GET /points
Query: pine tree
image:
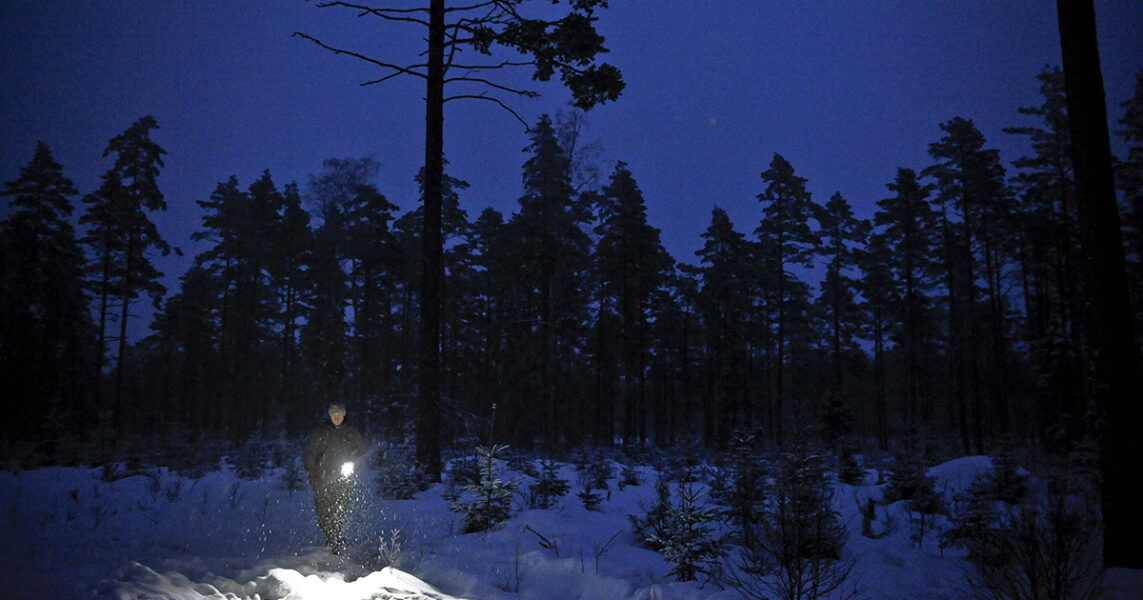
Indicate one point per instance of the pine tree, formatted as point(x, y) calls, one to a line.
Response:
point(242, 227)
point(46, 339)
point(123, 238)
point(373, 264)
point(491, 300)
point(1115, 356)
point(877, 291)
point(729, 283)
point(787, 240)
point(1129, 178)
point(1049, 260)
point(567, 45)
point(186, 335)
point(291, 251)
point(909, 233)
point(973, 200)
point(632, 266)
point(841, 234)
point(547, 242)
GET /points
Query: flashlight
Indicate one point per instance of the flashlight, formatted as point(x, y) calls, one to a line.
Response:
point(347, 469)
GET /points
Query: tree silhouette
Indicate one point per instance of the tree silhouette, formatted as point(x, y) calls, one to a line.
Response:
point(786, 240)
point(1115, 356)
point(909, 234)
point(568, 44)
point(632, 266)
point(46, 337)
point(123, 236)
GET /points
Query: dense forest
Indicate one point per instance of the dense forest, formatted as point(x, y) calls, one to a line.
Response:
point(955, 314)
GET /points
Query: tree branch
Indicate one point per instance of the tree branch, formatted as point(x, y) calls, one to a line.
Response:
point(389, 14)
point(490, 99)
point(494, 85)
point(399, 70)
point(504, 64)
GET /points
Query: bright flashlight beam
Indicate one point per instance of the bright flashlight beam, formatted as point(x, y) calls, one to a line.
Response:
point(347, 469)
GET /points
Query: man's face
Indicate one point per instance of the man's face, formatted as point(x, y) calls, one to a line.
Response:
point(337, 418)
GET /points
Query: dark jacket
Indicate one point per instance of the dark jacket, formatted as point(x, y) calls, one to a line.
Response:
point(329, 448)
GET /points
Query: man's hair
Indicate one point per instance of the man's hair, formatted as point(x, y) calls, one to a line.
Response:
point(336, 408)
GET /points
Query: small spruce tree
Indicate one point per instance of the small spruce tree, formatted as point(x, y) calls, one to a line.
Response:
point(652, 526)
point(799, 538)
point(492, 503)
point(688, 539)
point(398, 476)
point(548, 487)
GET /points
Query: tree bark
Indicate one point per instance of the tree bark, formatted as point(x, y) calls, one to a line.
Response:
point(1118, 389)
point(429, 422)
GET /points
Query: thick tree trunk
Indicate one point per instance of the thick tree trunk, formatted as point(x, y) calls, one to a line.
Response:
point(429, 422)
point(1115, 359)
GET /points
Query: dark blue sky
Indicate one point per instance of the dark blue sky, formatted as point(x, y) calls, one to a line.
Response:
point(847, 91)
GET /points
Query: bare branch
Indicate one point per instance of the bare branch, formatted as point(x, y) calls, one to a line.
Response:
point(383, 79)
point(504, 64)
point(389, 14)
point(494, 85)
point(477, 6)
point(490, 99)
point(399, 70)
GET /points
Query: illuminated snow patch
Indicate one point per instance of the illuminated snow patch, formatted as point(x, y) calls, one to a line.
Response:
point(386, 584)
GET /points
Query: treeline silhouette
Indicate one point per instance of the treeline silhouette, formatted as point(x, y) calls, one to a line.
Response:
point(955, 313)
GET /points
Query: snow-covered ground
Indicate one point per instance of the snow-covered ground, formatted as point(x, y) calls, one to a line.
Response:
point(66, 533)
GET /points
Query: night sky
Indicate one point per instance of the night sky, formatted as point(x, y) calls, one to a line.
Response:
point(847, 91)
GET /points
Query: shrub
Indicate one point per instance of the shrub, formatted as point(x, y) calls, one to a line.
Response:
point(1048, 546)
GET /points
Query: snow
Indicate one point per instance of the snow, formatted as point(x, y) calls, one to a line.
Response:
point(156, 534)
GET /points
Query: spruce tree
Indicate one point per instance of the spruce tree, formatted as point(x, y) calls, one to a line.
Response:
point(491, 502)
point(799, 537)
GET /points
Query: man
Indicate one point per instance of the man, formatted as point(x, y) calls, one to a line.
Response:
point(332, 457)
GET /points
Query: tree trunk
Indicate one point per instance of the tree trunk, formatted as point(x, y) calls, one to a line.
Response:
point(1115, 358)
point(119, 412)
point(429, 422)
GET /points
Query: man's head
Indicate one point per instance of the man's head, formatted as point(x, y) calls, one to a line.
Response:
point(337, 413)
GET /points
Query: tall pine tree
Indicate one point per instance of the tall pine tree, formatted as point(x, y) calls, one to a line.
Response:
point(787, 242)
point(633, 267)
point(123, 239)
point(46, 339)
